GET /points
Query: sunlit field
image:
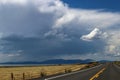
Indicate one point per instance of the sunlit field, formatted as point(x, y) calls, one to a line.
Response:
point(24, 73)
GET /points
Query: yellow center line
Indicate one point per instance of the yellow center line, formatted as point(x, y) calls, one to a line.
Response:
point(97, 74)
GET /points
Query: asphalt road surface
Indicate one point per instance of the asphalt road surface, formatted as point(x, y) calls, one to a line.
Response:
point(107, 71)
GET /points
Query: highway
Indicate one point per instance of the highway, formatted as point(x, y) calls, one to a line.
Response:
point(107, 71)
point(112, 72)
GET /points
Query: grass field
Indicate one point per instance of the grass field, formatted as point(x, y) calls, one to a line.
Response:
point(24, 73)
point(117, 62)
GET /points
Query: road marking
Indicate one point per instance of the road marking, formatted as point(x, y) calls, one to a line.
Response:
point(71, 73)
point(97, 74)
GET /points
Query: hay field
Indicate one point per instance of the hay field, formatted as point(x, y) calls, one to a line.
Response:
point(25, 73)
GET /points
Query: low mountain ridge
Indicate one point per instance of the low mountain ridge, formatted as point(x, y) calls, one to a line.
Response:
point(54, 61)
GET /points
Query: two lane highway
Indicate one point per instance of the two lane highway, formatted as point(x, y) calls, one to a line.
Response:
point(107, 71)
point(112, 72)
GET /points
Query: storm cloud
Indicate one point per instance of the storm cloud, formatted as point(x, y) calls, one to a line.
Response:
point(35, 30)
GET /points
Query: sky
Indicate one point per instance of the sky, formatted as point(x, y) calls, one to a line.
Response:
point(111, 5)
point(37, 30)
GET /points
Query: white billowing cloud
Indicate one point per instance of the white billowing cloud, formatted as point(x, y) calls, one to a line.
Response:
point(95, 34)
point(47, 6)
point(21, 2)
point(88, 17)
point(68, 17)
point(64, 15)
point(113, 43)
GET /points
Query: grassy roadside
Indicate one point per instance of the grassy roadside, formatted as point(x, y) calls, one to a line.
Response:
point(92, 64)
point(25, 73)
point(73, 69)
point(117, 63)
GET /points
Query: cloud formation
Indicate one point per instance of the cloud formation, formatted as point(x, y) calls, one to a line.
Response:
point(92, 35)
point(47, 29)
point(13, 1)
point(95, 34)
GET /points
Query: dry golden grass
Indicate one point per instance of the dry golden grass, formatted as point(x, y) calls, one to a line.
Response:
point(34, 72)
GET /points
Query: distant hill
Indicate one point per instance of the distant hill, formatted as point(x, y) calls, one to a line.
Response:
point(54, 61)
point(62, 61)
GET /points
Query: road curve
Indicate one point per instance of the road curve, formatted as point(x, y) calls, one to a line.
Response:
point(107, 71)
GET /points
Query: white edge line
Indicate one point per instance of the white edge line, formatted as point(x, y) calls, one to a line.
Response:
point(72, 73)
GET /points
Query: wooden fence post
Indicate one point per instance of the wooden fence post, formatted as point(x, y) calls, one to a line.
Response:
point(12, 76)
point(23, 76)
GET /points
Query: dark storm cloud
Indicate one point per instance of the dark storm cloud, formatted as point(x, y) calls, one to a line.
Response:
point(35, 48)
point(23, 20)
point(35, 30)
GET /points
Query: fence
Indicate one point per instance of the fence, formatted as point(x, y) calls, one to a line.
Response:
point(28, 73)
point(25, 76)
point(28, 76)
